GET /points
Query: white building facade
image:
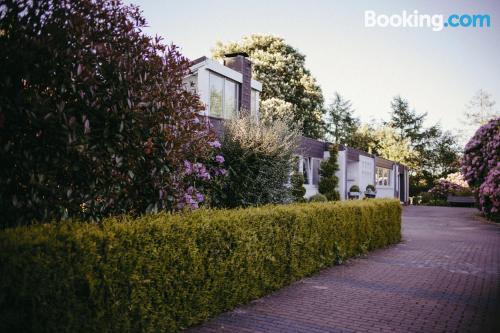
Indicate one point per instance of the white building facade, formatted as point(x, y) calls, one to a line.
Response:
point(227, 90)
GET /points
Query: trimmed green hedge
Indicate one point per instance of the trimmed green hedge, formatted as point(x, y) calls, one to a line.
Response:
point(165, 272)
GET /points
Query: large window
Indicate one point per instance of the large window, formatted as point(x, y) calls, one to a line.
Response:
point(223, 97)
point(315, 171)
point(305, 170)
point(310, 170)
point(383, 177)
point(254, 102)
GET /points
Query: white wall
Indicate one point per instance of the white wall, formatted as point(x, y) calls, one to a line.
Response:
point(365, 177)
point(341, 174)
point(388, 191)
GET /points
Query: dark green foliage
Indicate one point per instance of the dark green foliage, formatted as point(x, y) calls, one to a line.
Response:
point(354, 188)
point(318, 198)
point(160, 273)
point(94, 119)
point(329, 182)
point(438, 153)
point(298, 190)
point(370, 188)
point(341, 124)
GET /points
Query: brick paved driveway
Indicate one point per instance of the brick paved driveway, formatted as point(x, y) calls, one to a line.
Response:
point(444, 276)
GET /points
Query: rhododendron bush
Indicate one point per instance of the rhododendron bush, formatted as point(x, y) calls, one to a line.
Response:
point(94, 119)
point(481, 163)
point(453, 184)
point(489, 194)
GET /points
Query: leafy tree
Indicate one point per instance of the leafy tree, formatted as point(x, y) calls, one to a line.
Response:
point(297, 186)
point(259, 158)
point(386, 142)
point(437, 150)
point(275, 109)
point(281, 69)
point(341, 123)
point(329, 182)
point(94, 119)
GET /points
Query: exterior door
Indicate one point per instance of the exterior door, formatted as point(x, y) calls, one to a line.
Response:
point(402, 189)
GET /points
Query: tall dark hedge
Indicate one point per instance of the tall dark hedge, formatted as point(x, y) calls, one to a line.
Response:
point(94, 119)
point(160, 273)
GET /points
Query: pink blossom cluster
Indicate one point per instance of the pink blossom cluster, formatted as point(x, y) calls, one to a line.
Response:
point(489, 194)
point(443, 188)
point(481, 167)
point(192, 198)
point(482, 153)
point(201, 174)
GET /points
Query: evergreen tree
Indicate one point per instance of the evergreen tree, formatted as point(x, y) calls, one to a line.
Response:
point(298, 190)
point(329, 182)
point(341, 124)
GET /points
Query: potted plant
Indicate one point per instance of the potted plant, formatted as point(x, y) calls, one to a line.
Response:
point(354, 192)
point(370, 191)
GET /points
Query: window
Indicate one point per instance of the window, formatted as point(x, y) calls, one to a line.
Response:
point(315, 171)
point(383, 177)
point(254, 102)
point(230, 99)
point(216, 92)
point(223, 97)
point(305, 170)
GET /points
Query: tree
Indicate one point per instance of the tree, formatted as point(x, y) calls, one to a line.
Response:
point(437, 151)
point(94, 119)
point(329, 182)
point(341, 123)
point(259, 158)
point(386, 142)
point(281, 69)
point(275, 109)
point(480, 109)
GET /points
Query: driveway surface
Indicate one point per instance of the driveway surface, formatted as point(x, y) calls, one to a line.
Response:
point(443, 277)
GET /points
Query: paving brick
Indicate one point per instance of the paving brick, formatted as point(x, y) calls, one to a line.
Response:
point(443, 277)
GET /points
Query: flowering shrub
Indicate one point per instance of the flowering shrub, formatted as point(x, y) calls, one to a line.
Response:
point(480, 166)
point(489, 194)
point(453, 184)
point(481, 153)
point(94, 118)
point(443, 188)
point(259, 158)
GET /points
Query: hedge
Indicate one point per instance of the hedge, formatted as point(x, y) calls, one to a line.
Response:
point(167, 272)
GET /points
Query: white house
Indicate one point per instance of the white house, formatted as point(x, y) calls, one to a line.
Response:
point(227, 89)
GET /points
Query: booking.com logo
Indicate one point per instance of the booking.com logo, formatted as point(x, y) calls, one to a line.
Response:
point(415, 20)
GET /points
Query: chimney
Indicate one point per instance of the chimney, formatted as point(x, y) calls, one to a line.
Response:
point(240, 63)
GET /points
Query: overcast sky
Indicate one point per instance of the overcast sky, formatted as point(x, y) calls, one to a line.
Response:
point(438, 72)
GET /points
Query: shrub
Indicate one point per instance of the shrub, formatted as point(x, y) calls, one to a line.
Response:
point(318, 198)
point(354, 188)
point(298, 190)
point(489, 195)
point(160, 273)
point(481, 153)
point(480, 164)
point(371, 188)
point(94, 119)
point(443, 188)
point(329, 182)
point(259, 158)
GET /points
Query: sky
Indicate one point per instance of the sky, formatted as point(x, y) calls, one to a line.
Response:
point(437, 72)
